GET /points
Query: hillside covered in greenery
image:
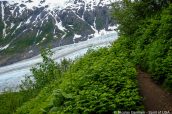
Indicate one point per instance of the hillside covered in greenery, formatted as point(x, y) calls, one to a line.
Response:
point(147, 27)
point(103, 80)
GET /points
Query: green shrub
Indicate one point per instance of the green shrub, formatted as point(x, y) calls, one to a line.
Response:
point(48, 71)
point(99, 82)
point(168, 83)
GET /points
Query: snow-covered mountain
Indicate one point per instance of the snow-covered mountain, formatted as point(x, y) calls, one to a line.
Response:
point(26, 25)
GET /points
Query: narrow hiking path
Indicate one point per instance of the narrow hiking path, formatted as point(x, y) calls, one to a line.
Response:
point(154, 98)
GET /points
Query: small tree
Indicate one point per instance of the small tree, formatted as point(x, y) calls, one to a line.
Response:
point(46, 71)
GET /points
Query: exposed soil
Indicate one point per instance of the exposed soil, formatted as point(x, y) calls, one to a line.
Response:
point(154, 97)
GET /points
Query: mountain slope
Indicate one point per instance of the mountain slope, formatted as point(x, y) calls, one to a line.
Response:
point(27, 25)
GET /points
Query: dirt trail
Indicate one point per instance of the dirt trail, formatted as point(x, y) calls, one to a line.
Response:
point(154, 98)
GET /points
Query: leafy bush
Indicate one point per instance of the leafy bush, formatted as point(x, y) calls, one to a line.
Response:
point(156, 53)
point(48, 71)
point(99, 82)
point(44, 74)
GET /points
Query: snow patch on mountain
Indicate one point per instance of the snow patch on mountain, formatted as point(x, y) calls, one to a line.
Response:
point(5, 47)
point(65, 22)
point(57, 4)
point(5, 25)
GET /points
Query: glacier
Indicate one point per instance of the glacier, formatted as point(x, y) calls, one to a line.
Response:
point(11, 75)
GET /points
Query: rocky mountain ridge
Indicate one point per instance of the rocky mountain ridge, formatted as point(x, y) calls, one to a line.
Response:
point(26, 25)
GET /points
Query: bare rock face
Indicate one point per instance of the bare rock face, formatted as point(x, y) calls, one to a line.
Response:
point(28, 25)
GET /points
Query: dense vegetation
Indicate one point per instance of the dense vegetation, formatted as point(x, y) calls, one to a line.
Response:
point(103, 80)
point(99, 82)
point(147, 27)
point(96, 83)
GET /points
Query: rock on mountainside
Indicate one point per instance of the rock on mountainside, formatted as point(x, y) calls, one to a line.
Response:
point(26, 25)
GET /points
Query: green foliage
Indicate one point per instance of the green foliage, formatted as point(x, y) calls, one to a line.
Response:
point(168, 83)
point(128, 15)
point(131, 14)
point(48, 71)
point(155, 43)
point(10, 101)
point(147, 38)
point(99, 82)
